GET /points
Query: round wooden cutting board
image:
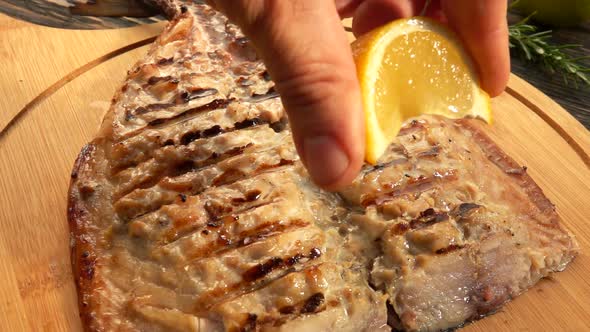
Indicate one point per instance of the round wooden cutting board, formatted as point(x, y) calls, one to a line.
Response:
point(56, 86)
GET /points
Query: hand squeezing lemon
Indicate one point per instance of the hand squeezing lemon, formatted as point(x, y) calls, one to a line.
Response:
point(411, 67)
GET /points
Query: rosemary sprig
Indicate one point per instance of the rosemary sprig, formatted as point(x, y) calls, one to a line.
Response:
point(534, 46)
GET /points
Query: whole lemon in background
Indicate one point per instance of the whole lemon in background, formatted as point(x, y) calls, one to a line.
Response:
point(562, 13)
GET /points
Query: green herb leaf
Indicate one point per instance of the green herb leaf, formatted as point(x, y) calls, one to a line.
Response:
point(534, 47)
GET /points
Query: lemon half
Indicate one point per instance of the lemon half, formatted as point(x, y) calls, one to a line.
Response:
point(411, 67)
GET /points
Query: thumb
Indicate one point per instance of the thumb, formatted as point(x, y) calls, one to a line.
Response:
point(307, 53)
point(483, 27)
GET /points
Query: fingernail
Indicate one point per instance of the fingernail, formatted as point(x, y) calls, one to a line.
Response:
point(325, 160)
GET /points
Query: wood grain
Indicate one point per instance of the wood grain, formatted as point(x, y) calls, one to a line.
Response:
point(36, 288)
point(66, 79)
point(37, 291)
point(35, 57)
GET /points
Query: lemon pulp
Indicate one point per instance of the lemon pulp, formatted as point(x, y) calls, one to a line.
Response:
point(413, 66)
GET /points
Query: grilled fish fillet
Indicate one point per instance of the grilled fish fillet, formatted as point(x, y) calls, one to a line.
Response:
point(190, 210)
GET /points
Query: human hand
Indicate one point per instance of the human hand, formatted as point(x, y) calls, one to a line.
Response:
point(308, 55)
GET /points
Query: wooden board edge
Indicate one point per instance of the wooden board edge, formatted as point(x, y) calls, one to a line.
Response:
point(68, 78)
point(561, 121)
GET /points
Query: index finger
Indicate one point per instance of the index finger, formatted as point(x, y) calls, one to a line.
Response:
point(308, 55)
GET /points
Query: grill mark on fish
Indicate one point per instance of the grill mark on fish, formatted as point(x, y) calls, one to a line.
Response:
point(260, 271)
point(188, 137)
point(270, 94)
point(313, 303)
point(428, 218)
point(131, 114)
point(181, 167)
point(213, 105)
point(393, 319)
point(464, 210)
point(160, 124)
point(191, 136)
point(249, 123)
point(156, 79)
point(226, 181)
point(265, 75)
point(175, 119)
point(292, 312)
point(221, 212)
point(399, 161)
point(412, 186)
point(211, 132)
point(450, 248)
point(216, 210)
point(250, 324)
point(139, 144)
point(400, 228)
point(165, 61)
point(287, 310)
point(190, 165)
point(298, 241)
point(283, 162)
point(195, 93)
point(244, 81)
point(226, 177)
point(217, 222)
point(215, 130)
point(250, 196)
point(225, 294)
point(182, 98)
point(413, 127)
point(262, 232)
point(280, 125)
point(226, 242)
point(432, 152)
point(179, 230)
point(220, 216)
point(401, 149)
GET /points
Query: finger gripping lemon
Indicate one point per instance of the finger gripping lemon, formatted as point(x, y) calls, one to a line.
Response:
point(411, 67)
